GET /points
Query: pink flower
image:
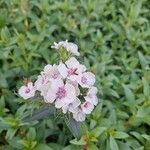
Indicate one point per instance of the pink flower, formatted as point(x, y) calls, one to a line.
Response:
point(86, 79)
point(65, 95)
point(73, 48)
point(42, 84)
point(79, 115)
point(61, 93)
point(27, 91)
point(91, 96)
point(70, 47)
point(51, 72)
point(71, 107)
point(75, 84)
point(87, 107)
point(71, 69)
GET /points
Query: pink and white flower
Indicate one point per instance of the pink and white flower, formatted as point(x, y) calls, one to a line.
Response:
point(70, 47)
point(65, 95)
point(87, 107)
point(27, 91)
point(61, 93)
point(42, 84)
point(91, 96)
point(51, 72)
point(86, 79)
point(79, 115)
point(71, 69)
point(71, 107)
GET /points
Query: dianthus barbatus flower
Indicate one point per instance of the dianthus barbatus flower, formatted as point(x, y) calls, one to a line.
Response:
point(79, 115)
point(69, 46)
point(27, 91)
point(92, 96)
point(71, 69)
point(67, 86)
point(86, 79)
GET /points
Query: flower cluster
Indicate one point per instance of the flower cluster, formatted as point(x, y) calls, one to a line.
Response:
point(68, 85)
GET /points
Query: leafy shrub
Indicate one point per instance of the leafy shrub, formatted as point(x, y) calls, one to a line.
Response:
point(114, 42)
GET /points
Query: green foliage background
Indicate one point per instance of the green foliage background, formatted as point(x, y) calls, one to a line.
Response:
point(114, 41)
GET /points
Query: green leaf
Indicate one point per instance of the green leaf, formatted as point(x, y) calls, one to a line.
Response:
point(78, 142)
point(120, 135)
point(113, 144)
point(92, 146)
point(31, 134)
point(97, 131)
point(43, 147)
point(143, 61)
point(146, 88)
point(74, 127)
point(41, 113)
point(72, 147)
point(130, 97)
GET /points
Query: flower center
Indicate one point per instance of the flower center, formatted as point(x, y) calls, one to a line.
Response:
point(55, 75)
point(27, 90)
point(86, 105)
point(72, 71)
point(84, 80)
point(61, 93)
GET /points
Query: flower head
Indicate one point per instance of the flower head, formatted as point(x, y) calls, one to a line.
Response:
point(27, 91)
point(67, 86)
point(70, 47)
point(71, 69)
point(91, 96)
point(79, 115)
point(86, 79)
point(87, 107)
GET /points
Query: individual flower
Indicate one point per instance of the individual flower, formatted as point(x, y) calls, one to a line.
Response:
point(65, 95)
point(27, 91)
point(79, 115)
point(87, 107)
point(86, 79)
point(71, 107)
point(71, 69)
point(61, 93)
point(75, 84)
point(51, 72)
point(91, 96)
point(42, 84)
point(70, 47)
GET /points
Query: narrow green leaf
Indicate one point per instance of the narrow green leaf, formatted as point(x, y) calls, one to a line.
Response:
point(98, 131)
point(40, 114)
point(113, 144)
point(43, 147)
point(130, 97)
point(120, 135)
point(74, 127)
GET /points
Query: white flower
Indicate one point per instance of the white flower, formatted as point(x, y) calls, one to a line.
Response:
point(75, 84)
point(61, 44)
point(71, 69)
point(70, 47)
point(61, 93)
point(86, 79)
point(73, 48)
point(51, 72)
point(79, 115)
point(71, 107)
point(27, 91)
point(42, 84)
point(87, 107)
point(91, 96)
point(65, 95)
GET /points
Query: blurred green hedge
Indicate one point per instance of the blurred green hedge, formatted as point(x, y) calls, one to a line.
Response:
point(114, 41)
